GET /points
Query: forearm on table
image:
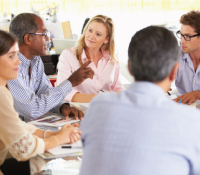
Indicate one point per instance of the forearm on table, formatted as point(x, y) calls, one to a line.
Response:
point(83, 98)
point(198, 96)
point(51, 143)
point(41, 133)
point(195, 94)
point(35, 104)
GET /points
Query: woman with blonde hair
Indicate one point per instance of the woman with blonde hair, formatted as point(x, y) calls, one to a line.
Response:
point(97, 43)
point(17, 138)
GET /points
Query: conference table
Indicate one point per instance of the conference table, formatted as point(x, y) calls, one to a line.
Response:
point(69, 165)
point(63, 166)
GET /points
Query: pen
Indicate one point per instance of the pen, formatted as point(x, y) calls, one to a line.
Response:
point(101, 90)
point(75, 147)
point(180, 100)
point(169, 94)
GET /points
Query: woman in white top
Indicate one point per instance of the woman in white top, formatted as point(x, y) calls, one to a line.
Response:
point(17, 138)
point(97, 43)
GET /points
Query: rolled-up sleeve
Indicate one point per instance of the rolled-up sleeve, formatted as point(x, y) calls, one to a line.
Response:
point(20, 142)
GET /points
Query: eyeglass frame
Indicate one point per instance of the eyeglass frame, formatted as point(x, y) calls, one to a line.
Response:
point(43, 34)
point(179, 32)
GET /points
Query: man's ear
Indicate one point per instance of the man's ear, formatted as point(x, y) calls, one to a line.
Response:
point(172, 75)
point(27, 39)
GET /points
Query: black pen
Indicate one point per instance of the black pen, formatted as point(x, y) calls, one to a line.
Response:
point(75, 147)
point(101, 90)
point(169, 94)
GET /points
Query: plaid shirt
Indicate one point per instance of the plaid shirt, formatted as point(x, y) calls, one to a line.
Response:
point(34, 95)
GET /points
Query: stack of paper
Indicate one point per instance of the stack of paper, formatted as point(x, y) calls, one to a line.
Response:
point(75, 150)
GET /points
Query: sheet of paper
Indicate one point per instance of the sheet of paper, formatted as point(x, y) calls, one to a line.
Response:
point(76, 144)
point(84, 105)
point(53, 120)
point(67, 151)
point(172, 96)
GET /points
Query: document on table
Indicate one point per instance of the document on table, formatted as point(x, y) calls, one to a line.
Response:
point(84, 105)
point(53, 120)
point(63, 152)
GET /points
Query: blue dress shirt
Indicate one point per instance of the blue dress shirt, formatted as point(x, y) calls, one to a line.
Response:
point(34, 95)
point(140, 131)
point(187, 80)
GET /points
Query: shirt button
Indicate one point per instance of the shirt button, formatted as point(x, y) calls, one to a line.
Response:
point(194, 81)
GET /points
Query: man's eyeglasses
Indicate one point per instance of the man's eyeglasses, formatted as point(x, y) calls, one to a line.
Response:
point(46, 34)
point(186, 37)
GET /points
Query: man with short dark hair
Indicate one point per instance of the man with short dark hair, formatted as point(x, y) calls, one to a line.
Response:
point(141, 131)
point(188, 75)
point(32, 91)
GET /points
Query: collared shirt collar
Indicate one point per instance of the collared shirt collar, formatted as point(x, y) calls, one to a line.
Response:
point(25, 63)
point(148, 88)
point(24, 59)
point(185, 56)
point(105, 54)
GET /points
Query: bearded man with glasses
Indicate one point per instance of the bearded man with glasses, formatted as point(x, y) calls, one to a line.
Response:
point(188, 75)
point(32, 91)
